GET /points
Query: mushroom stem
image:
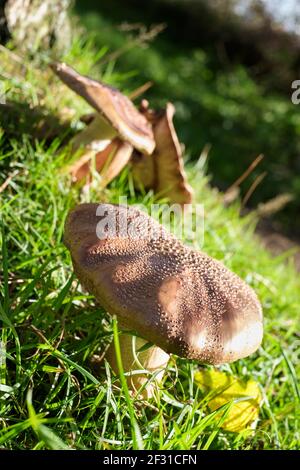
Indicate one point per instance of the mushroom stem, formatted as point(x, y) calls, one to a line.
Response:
point(97, 135)
point(108, 162)
point(152, 360)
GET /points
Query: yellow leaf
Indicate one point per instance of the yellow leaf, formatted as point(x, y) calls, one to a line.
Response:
point(224, 388)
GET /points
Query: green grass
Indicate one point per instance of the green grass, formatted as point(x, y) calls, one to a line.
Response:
point(52, 394)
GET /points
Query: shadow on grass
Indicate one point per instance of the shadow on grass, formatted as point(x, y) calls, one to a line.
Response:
point(37, 123)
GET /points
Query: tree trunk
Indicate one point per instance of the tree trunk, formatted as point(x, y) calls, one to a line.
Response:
point(4, 34)
point(36, 24)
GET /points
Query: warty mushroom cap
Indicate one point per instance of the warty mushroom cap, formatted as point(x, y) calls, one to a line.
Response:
point(112, 105)
point(180, 299)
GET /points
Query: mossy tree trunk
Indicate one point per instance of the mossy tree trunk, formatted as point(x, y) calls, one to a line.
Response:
point(36, 24)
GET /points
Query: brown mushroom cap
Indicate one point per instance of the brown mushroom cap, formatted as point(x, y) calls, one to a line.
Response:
point(116, 108)
point(179, 299)
point(164, 171)
point(109, 162)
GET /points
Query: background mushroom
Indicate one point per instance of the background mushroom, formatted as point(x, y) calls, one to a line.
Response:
point(116, 118)
point(109, 162)
point(179, 299)
point(164, 170)
point(117, 130)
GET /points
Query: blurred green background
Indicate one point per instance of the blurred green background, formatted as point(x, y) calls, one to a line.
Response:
point(229, 77)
